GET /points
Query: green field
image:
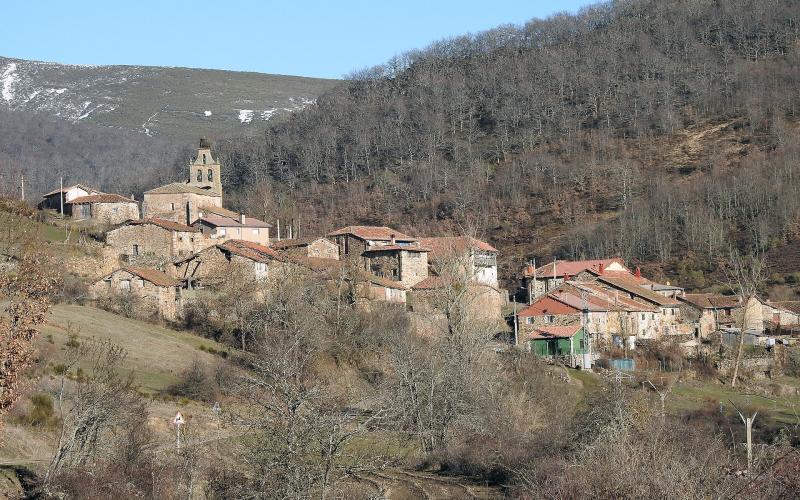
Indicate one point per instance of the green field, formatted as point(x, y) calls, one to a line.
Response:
point(156, 354)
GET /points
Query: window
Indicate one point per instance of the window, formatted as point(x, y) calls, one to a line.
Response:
point(255, 231)
point(210, 175)
point(582, 345)
point(172, 206)
point(199, 175)
point(114, 210)
point(139, 283)
point(180, 238)
point(529, 320)
point(107, 281)
point(261, 270)
point(549, 319)
point(204, 159)
point(653, 316)
point(221, 231)
point(135, 249)
point(642, 316)
point(125, 285)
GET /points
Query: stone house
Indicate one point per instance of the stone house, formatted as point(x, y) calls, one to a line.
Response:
point(475, 257)
point(107, 208)
point(384, 252)
point(182, 201)
point(154, 292)
point(433, 293)
point(539, 281)
point(220, 224)
point(213, 266)
point(154, 242)
point(706, 313)
point(53, 199)
point(782, 313)
point(668, 320)
point(321, 248)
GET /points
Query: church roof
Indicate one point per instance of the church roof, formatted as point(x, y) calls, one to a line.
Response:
point(182, 187)
point(101, 198)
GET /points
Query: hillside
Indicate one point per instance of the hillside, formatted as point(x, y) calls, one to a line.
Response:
point(661, 131)
point(177, 103)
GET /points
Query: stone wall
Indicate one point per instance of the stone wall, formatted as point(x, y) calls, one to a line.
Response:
point(157, 246)
point(323, 249)
point(173, 206)
point(150, 299)
point(413, 267)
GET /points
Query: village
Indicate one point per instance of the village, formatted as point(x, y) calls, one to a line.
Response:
point(186, 243)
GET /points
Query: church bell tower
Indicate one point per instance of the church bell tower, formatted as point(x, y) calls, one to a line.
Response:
point(204, 171)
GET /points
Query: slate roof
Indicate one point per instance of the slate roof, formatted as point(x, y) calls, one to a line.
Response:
point(182, 187)
point(375, 233)
point(101, 198)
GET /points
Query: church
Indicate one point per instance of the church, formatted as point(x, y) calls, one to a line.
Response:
point(183, 202)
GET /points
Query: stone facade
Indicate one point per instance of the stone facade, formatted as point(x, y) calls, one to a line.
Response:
point(407, 267)
point(154, 243)
point(232, 231)
point(109, 213)
point(182, 207)
point(161, 298)
point(319, 248)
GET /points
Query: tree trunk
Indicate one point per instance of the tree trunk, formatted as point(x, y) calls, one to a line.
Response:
point(742, 326)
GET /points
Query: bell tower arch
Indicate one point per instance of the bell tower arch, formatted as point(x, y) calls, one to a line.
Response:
point(204, 170)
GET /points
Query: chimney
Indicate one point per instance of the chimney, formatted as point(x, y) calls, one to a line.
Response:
point(392, 237)
point(566, 277)
point(602, 268)
point(242, 219)
point(638, 272)
point(133, 197)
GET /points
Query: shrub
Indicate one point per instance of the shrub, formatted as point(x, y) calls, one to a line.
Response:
point(193, 383)
point(42, 413)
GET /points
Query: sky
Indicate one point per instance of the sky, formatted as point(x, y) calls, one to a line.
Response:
point(319, 38)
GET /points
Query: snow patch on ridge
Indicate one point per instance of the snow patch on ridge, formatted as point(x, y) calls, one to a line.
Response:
point(245, 115)
point(8, 77)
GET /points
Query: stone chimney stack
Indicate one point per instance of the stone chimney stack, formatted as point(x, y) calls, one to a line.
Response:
point(393, 240)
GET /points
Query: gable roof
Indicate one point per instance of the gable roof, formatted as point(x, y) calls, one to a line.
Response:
point(182, 187)
point(101, 198)
point(223, 221)
point(297, 242)
point(631, 286)
point(250, 250)
point(792, 306)
point(218, 211)
point(154, 276)
point(711, 300)
point(377, 233)
point(445, 246)
point(546, 306)
point(595, 298)
point(79, 186)
point(391, 248)
point(165, 224)
point(570, 267)
point(553, 332)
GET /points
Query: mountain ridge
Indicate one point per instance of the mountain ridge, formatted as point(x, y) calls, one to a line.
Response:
point(175, 102)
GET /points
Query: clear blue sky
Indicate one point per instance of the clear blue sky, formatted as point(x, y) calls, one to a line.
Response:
point(323, 38)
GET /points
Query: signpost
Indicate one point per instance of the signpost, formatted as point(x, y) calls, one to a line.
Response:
point(217, 411)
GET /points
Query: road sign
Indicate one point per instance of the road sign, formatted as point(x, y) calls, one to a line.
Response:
point(178, 420)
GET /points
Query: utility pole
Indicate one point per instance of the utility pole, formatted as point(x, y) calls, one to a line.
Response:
point(61, 195)
point(748, 425)
point(22, 187)
point(516, 324)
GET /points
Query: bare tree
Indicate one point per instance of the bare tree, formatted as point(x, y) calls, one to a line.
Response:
point(746, 276)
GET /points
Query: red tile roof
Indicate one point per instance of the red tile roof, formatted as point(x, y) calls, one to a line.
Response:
point(294, 243)
point(377, 233)
point(165, 224)
point(154, 276)
point(792, 306)
point(101, 198)
point(430, 283)
point(219, 211)
point(596, 298)
point(546, 306)
point(550, 332)
point(570, 267)
point(446, 246)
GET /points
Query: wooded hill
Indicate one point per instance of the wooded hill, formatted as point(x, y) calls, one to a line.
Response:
point(652, 129)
